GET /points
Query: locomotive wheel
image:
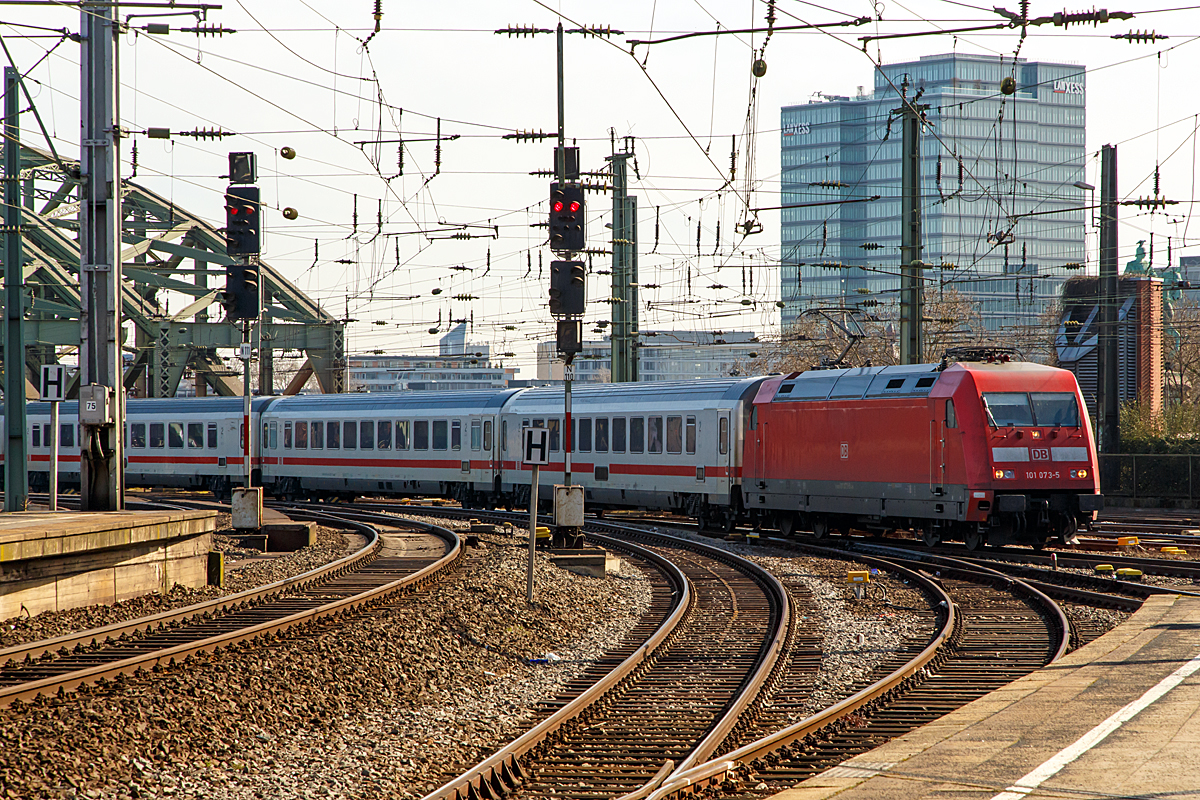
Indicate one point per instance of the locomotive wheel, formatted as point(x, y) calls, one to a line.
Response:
point(974, 539)
point(787, 525)
point(726, 523)
point(820, 526)
point(930, 537)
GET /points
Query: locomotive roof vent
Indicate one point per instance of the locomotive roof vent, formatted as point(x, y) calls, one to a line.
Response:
point(987, 355)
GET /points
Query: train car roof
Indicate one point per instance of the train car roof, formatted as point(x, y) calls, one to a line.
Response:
point(907, 380)
point(393, 402)
point(164, 406)
point(549, 400)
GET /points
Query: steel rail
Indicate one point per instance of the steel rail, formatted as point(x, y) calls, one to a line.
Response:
point(713, 772)
point(94, 636)
point(413, 580)
point(494, 776)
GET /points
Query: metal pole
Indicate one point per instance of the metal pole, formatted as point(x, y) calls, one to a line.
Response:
point(561, 169)
point(54, 456)
point(246, 397)
point(561, 162)
point(1110, 431)
point(911, 345)
point(567, 442)
point(101, 445)
point(624, 273)
point(16, 467)
point(533, 503)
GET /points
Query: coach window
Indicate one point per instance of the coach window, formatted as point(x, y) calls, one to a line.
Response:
point(440, 435)
point(674, 434)
point(157, 434)
point(602, 435)
point(487, 435)
point(175, 434)
point(690, 435)
point(333, 435)
point(195, 434)
point(402, 434)
point(637, 434)
point(366, 434)
point(212, 435)
point(318, 436)
point(504, 436)
point(137, 434)
point(618, 434)
point(456, 434)
point(951, 418)
point(46, 433)
point(301, 435)
point(476, 434)
point(555, 428)
point(654, 435)
point(421, 434)
point(723, 435)
point(349, 435)
point(383, 435)
point(66, 435)
point(287, 436)
point(35, 435)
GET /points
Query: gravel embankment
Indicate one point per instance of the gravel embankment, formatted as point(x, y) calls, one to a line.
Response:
point(389, 703)
point(331, 545)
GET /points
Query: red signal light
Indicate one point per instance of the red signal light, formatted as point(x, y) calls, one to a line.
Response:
point(574, 206)
point(558, 206)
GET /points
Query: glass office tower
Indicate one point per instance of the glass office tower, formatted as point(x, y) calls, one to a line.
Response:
point(992, 165)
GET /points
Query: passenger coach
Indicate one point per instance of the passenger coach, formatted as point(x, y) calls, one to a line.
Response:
point(669, 446)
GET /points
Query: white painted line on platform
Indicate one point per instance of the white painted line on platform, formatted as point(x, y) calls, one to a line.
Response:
point(1096, 735)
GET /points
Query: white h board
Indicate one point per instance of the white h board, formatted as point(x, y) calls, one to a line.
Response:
point(535, 446)
point(54, 382)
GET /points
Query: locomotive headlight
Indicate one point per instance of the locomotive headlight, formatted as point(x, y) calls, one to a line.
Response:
point(1079, 473)
point(998, 474)
point(1002, 474)
point(1036, 434)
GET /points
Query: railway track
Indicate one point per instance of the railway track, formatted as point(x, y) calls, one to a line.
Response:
point(375, 573)
point(671, 702)
point(1002, 630)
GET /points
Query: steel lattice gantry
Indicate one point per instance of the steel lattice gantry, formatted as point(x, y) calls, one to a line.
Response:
point(166, 249)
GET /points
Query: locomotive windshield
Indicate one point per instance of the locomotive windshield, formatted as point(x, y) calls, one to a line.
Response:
point(1018, 409)
point(1057, 409)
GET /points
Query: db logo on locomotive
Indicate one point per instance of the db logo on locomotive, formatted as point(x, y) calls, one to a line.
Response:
point(1040, 453)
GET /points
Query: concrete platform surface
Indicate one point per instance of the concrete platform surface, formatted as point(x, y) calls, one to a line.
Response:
point(51, 561)
point(1119, 717)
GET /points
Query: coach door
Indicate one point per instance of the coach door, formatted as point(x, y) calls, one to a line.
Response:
point(724, 460)
point(937, 458)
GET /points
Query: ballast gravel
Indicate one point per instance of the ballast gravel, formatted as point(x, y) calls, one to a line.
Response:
point(388, 703)
point(857, 635)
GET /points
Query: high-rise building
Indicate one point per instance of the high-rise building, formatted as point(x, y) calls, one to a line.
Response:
point(996, 170)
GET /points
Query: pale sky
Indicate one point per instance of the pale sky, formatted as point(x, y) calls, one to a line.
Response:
point(297, 74)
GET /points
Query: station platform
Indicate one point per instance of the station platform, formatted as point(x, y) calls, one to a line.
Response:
point(1119, 717)
point(50, 561)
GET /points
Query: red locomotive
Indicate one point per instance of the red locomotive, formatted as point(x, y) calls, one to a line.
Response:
point(987, 452)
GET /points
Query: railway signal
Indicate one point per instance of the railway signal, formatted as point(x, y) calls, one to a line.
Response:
point(568, 288)
point(243, 299)
point(567, 228)
point(243, 227)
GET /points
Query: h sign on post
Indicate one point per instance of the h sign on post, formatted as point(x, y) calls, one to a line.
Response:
point(54, 382)
point(535, 448)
